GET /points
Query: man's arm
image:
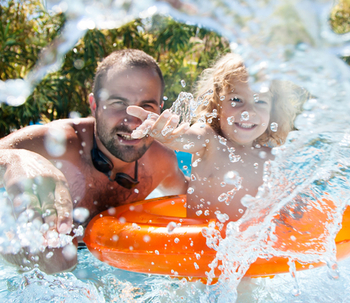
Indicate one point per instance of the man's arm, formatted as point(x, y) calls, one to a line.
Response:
point(38, 197)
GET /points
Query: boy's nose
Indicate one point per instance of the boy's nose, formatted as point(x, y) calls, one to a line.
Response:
point(247, 112)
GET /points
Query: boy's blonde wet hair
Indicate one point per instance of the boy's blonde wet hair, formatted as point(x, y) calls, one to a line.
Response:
point(287, 98)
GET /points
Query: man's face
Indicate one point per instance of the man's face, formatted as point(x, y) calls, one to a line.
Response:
point(122, 87)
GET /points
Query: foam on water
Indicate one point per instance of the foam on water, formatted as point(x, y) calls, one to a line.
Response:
point(288, 40)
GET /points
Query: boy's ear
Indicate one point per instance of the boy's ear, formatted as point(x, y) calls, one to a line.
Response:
point(92, 102)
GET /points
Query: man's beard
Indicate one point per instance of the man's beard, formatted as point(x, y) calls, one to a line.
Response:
point(122, 152)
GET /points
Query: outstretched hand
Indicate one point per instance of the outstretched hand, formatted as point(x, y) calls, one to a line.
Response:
point(164, 127)
point(39, 190)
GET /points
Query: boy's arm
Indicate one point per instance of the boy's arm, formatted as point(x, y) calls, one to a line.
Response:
point(165, 129)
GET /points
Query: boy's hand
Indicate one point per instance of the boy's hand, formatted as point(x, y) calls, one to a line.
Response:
point(162, 127)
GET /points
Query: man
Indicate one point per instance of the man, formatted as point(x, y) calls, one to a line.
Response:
point(89, 163)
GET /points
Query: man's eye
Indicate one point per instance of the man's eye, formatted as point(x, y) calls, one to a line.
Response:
point(148, 107)
point(118, 103)
point(261, 102)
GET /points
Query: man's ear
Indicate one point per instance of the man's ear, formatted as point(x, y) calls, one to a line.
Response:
point(93, 105)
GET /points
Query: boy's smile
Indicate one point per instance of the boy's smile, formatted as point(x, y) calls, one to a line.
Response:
point(244, 115)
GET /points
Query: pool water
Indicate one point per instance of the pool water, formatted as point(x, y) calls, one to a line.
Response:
point(95, 281)
point(184, 162)
point(318, 158)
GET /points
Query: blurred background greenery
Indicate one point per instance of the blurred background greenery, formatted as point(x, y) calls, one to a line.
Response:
point(182, 51)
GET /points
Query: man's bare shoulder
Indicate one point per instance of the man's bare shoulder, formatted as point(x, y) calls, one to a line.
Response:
point(70, 132)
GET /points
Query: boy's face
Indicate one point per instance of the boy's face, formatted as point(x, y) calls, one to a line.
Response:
point(245, 115)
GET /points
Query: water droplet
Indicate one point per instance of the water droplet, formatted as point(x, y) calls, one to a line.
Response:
point(231, 120)
point(222, 140)
point(165, 98)
point(222, 197)
point(183, 83)
point(256, 165)
point(222, 98)
point(176, 240)
point(206, 213)
point(193, 177)
point(111, 211)
point(188, 146)
point(80, 214)
point(221, 217)
point(75, 115)
point(274, 126)
point(134, 225)
point(190, 190)
point(198, 212)
point(233, 104)
point(234, 158)
point(223, 184)
point(69, 252)
point(241, 211)
point(146, 238)
point(55, 142)
point(171, 226)
point(245, 116)
point(262, 155)
point(167, 130)
point(256, 97)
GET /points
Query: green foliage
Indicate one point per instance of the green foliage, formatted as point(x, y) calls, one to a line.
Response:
point(340, 17)
point(25, 29)
point(340, 20)
point(182, 51)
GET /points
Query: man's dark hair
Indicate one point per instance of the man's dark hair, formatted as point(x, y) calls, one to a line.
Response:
point(125, 57)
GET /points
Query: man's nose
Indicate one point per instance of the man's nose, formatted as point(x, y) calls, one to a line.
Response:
point(131, 121)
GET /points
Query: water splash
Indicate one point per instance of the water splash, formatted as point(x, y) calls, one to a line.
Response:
point(294, 44)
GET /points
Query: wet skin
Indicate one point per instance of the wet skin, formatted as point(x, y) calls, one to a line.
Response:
point(71, 180)
point(213, 172)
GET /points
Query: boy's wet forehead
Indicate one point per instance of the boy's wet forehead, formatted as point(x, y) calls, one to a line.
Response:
point(245, 87)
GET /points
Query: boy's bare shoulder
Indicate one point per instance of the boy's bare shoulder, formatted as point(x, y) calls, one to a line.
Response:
point(160, 152)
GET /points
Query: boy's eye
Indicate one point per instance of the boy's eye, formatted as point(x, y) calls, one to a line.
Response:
point(235, 99)
point(261, 102)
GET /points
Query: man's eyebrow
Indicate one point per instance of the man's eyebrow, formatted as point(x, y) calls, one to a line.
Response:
point(155, 102)
point(116, 97)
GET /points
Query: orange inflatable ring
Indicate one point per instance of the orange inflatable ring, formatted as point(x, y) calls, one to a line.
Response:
point(140, 237)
